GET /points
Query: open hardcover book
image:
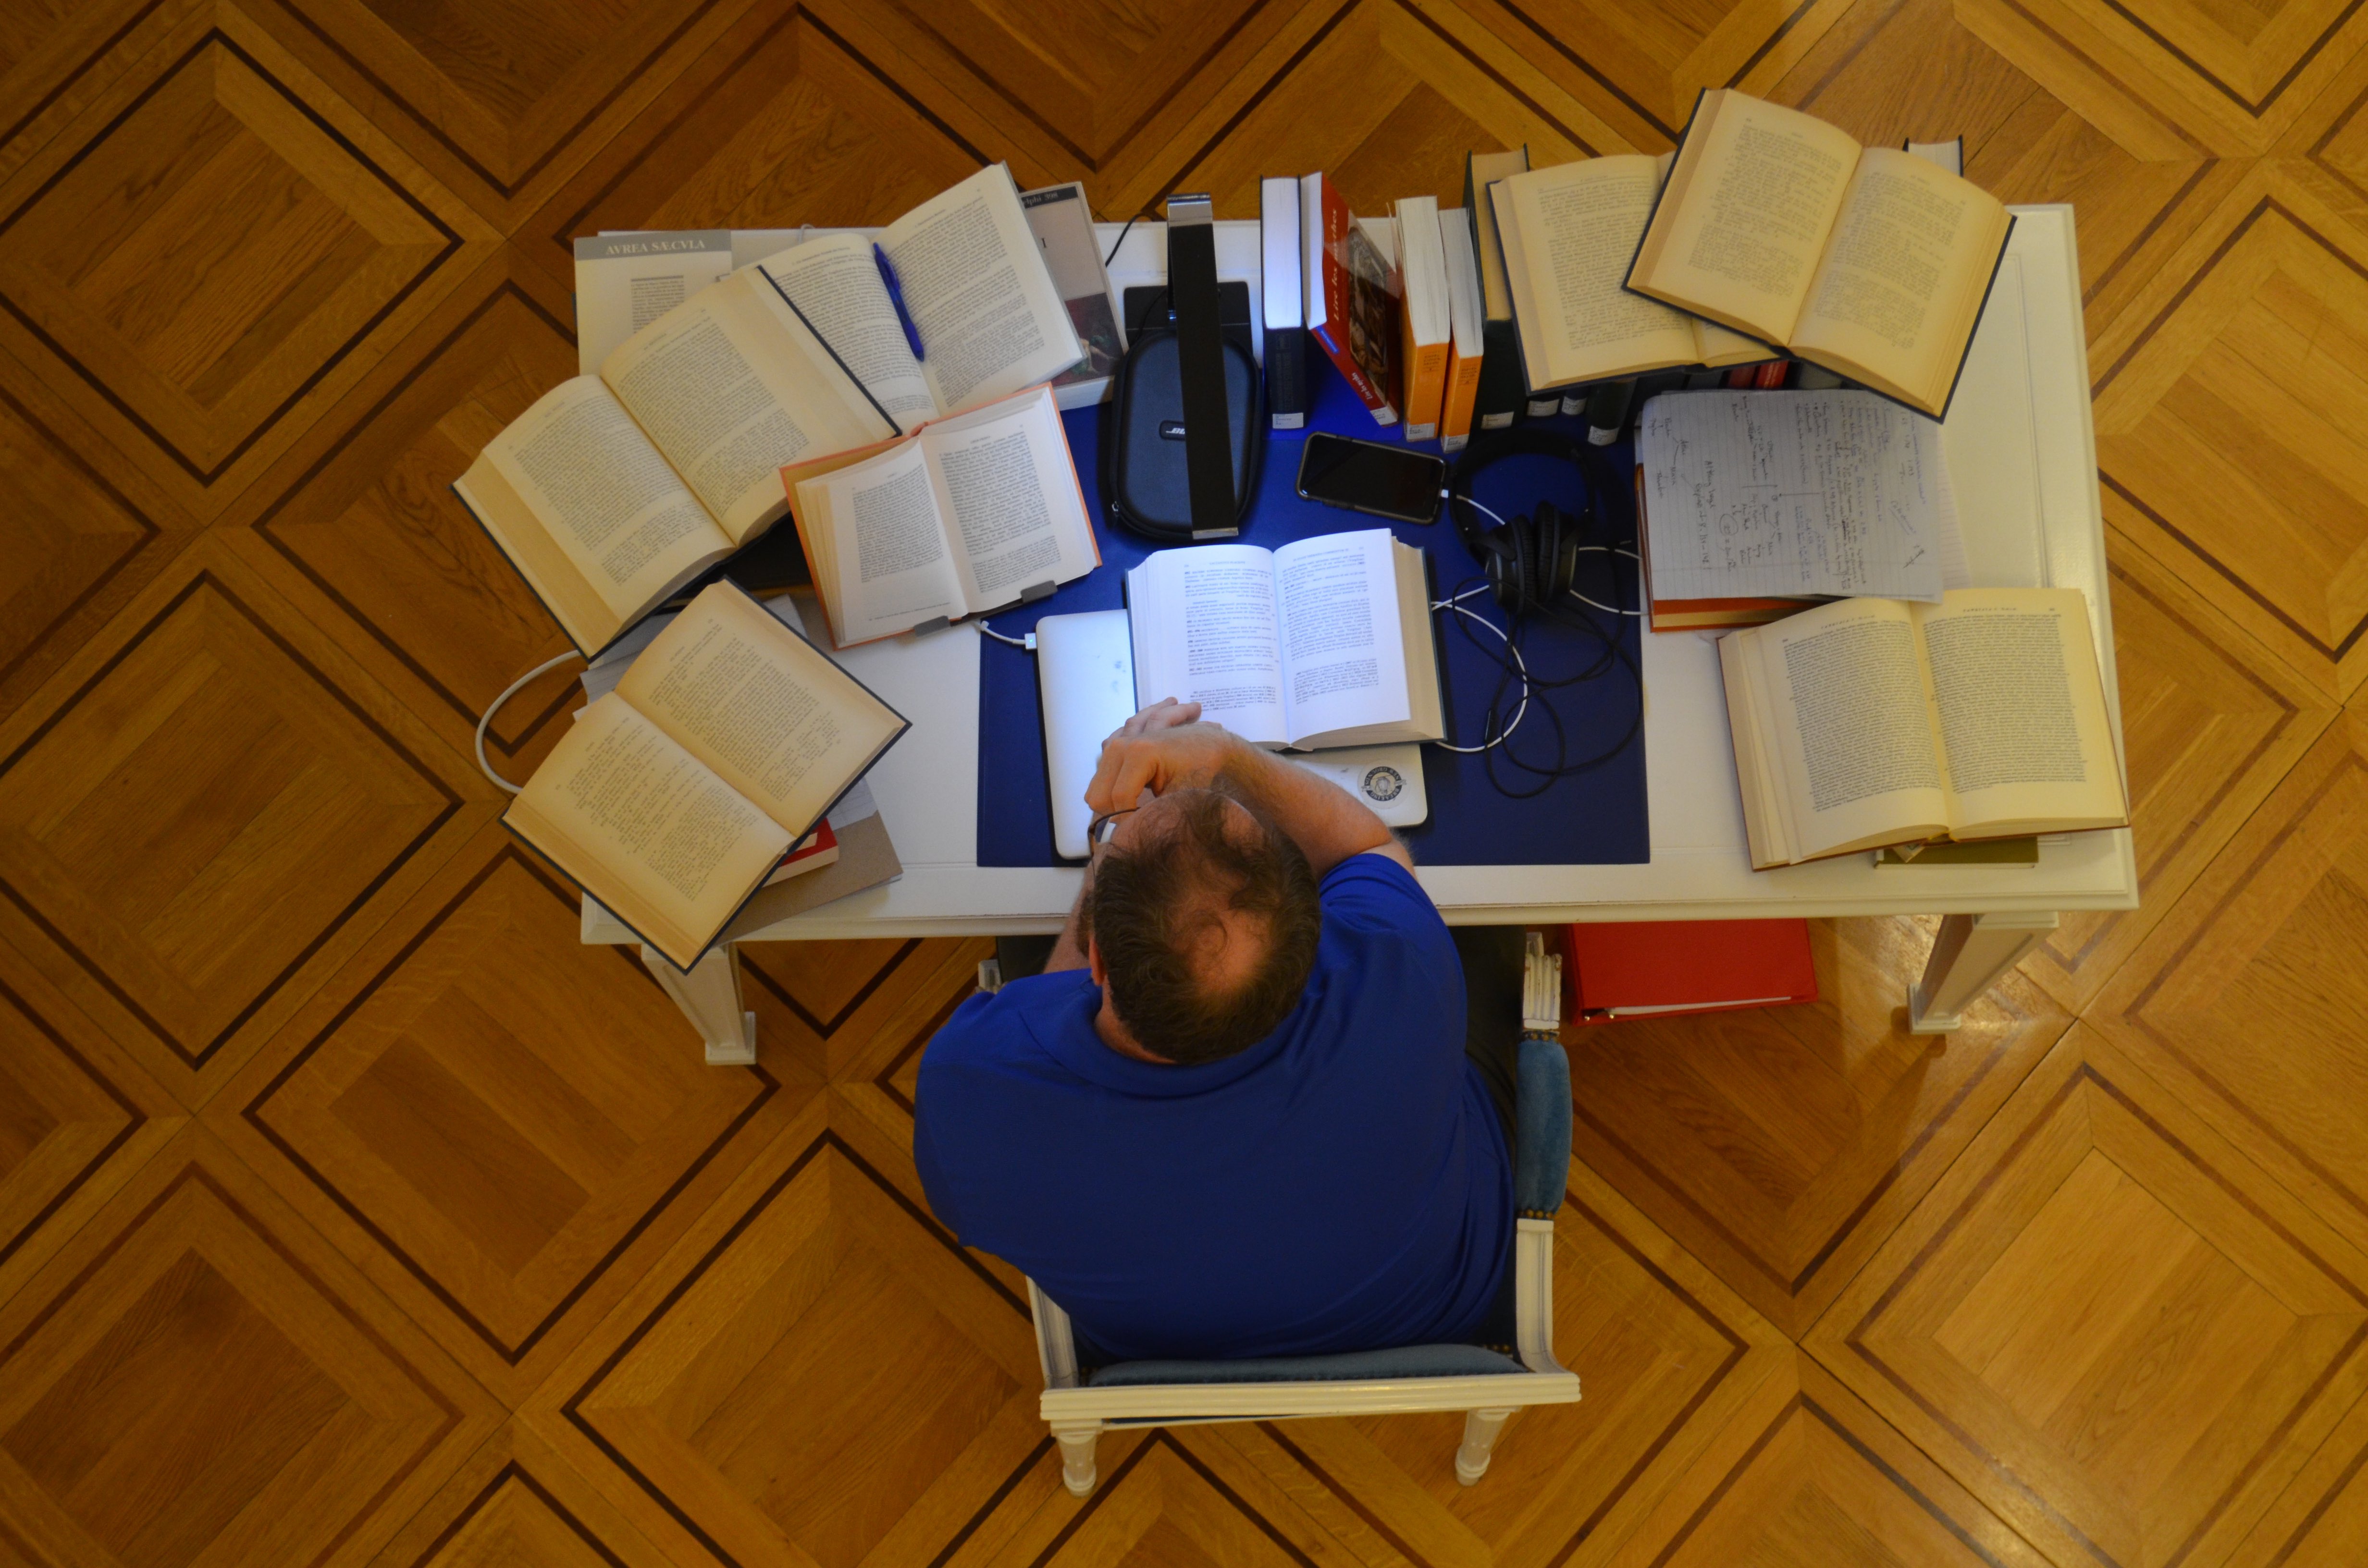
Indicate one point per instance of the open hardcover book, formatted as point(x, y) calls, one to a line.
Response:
point(1324, 642)
point(614, 491)
point(1869, 261)
point(676, 796)
point(960, 519)
point(975, 287)
point(1867, 722)
point(1568, 232)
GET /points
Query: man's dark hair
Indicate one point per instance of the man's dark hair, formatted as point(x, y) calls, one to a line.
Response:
point(1150, 904)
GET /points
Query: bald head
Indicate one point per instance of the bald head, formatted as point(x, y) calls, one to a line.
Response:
point(1203, 917)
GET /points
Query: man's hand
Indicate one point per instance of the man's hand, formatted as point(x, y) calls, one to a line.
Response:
point(1159, 749)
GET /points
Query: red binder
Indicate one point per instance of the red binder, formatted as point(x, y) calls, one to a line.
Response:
point(1657, 968)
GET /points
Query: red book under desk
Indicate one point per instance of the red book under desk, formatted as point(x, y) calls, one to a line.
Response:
point(1651, 968)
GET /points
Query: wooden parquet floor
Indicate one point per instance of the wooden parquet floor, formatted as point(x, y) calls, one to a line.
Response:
point(351, 1211)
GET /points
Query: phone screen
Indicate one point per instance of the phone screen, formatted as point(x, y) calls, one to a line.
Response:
point(1366, 476)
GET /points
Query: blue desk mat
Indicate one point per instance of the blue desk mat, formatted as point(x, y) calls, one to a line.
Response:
point(1592, 818)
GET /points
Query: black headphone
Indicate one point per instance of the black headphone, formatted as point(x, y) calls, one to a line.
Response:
point(1530, 559)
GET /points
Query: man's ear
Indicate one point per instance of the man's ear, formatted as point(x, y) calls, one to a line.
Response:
point(1094, 963)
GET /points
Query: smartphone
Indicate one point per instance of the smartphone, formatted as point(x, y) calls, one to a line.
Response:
point(1369, 476)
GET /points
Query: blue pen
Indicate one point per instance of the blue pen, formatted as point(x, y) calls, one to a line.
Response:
point(896, 298)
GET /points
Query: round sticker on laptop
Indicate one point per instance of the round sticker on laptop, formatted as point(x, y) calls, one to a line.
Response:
point(1383, 782)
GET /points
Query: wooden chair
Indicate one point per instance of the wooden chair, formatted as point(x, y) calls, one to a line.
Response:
point(1485, 1384)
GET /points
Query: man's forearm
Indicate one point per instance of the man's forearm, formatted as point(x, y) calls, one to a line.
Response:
point(1327, 822)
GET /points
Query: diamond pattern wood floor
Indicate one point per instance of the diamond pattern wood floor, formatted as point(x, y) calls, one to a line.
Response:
point(352, 1211)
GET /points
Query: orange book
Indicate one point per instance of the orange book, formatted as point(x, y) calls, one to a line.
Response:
point(1466, 329)
point(1423, 321)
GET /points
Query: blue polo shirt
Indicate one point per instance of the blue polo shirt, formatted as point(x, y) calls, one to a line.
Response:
point(1342, 1185)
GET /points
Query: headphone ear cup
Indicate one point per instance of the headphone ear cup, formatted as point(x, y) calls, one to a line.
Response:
point(1558, 534)
point(1522, 540)
point(1499, 561)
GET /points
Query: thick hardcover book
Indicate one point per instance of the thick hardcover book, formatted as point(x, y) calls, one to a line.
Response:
point(1873, 263)
point(1284, 303)
point(1501, 392)
point(1867, 722)
point(678, 795)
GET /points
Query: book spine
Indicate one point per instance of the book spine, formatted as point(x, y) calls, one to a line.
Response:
point(1426, 386)
point(1286, 376)
point(1498, 397)
point(1338, 292)
point(1772, 375)
point(1607, 411)
point(1284, 337)
point(1455, 411)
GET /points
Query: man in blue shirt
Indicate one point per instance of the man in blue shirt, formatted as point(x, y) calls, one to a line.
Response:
point(1234, 1115)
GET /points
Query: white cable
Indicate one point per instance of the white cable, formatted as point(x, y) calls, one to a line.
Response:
point(1478, 506)
point(507, 692)
point(1520, 665)
point(1027, 643)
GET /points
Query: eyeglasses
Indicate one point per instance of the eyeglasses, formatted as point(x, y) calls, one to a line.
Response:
point(1098, 831)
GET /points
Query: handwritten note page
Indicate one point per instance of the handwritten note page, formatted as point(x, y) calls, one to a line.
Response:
point(1752, 493)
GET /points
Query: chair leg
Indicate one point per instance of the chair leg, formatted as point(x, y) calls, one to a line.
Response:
point(1077, 1459)
point(1480, 1430)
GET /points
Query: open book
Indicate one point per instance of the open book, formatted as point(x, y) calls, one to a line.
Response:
point(960, 519)
point(974, 286)
point(1872, 262)
point(1867, 722)
point(1569, 234)
point(677, 795)
point(1324, 642)
point(615, 490)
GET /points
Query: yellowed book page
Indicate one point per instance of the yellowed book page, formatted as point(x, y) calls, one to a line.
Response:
point(1004, 481)
point(1896, 296)
point(835, 282)
point(617, 511)
point(1740, 238)
point(1485, 170)
point(2017, 700)
point(758, 704)
point(975, 284)
point(810, 511)
point(733, 387)
point(1744, 678)
point(1570, 233)
point(648, 829)
point(1720, 347)
point(1856, 756)
point(589, 620)
point(891, 567)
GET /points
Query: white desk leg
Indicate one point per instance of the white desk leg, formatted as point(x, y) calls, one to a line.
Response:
point(1970, 952)
point(709, 997)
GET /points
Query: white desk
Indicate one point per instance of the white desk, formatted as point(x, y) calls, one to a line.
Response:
point(2022, 459)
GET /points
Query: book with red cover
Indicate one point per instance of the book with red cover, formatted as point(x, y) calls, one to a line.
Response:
point(1657, 968)
point(812, 853)
point(1704, 615)
point(1351, 311)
